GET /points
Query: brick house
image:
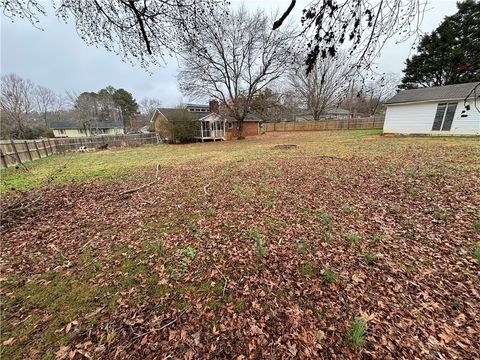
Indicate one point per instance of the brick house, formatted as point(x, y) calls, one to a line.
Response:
point(211, 126)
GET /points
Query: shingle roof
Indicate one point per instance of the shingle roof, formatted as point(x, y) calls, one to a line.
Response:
point(66, 124)
point(448, 92)
point(168, 112)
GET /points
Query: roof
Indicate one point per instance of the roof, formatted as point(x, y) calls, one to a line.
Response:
point(197, 106)
point(448, 92)
point(167, 112)
point(66, 124)
point(336, 111)
point(248, 118)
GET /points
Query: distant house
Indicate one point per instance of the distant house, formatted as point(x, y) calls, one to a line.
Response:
point(93, 128)
point(208, 123)
point(440, 110)
point(329, 113)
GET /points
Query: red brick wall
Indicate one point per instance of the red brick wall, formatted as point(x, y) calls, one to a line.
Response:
point(249, 129)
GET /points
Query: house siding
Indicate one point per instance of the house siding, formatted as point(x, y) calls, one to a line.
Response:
point(79, 133)
point(417, 118)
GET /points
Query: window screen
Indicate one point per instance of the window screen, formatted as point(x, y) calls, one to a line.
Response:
point(437, 123)
point(447, 122)
point(444, 117)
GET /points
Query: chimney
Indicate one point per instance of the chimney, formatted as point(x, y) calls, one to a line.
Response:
point(213, 105)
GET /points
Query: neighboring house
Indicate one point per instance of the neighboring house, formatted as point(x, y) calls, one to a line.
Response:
point(440, 110)
point(76, 129)
point(210, 125)
point(329, 113)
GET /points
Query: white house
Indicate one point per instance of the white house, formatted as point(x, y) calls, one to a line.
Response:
point(440, 110)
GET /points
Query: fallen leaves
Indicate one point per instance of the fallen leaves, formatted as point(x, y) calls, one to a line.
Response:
point(137, 292)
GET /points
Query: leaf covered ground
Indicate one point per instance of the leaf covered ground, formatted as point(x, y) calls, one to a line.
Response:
point(350, 245)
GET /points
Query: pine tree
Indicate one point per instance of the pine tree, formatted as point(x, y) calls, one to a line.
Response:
point(450, 54)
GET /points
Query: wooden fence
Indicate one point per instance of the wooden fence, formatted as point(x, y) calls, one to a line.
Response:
point(13, 152)
point(330, 124)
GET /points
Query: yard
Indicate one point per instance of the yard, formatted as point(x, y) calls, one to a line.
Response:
point(350, 245)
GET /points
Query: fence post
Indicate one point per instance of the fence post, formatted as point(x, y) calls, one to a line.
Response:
point(28, 151)
point(4, 161)
point(51, 147)
point(16, 152)
point(38, 151)
point(45, 147)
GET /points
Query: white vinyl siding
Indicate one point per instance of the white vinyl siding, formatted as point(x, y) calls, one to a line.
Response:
point(417, 118)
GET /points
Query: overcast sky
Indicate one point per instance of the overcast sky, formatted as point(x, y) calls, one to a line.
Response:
point(58, 59)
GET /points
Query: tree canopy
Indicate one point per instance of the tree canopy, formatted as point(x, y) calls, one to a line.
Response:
point(450, 54)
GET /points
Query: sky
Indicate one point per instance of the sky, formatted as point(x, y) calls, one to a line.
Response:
point(58, 59)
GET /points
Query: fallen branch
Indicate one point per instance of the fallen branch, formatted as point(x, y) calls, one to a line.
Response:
point(157, 178)
point(161, 327)
point(225, 283)
point(205, 189)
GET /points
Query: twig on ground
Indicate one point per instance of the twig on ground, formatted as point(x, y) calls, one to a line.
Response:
point(225, 283)
point(205, 189)
point(161, 327)
point(157, 178)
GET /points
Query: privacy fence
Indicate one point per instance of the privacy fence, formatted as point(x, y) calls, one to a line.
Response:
point(15, 152)
point(329, 124)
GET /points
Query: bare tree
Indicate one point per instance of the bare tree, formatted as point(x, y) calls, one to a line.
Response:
point(323, 86)
point(233, 58)
point(45, 100)
point(380, 90)
point(361, 26)
point(148, 106)
point(16, 103)
point(137, 30)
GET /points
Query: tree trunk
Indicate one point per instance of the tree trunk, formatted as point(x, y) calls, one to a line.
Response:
point(240, 129)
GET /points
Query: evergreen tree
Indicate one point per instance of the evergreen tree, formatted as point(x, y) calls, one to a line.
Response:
point(450, 54)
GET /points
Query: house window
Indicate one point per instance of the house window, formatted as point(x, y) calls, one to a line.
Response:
point(229, 125)
point(444, 117)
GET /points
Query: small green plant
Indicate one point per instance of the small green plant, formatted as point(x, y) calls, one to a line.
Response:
point(352, 237)
point(347, 209)
point(303, 249)
point(476, 226)
point(261, 248)
point(370, 258)
point(411, 171)
point(439, 214)
point(157, 247)
point(410, 268)
point(378, 236)
point(307, 268)
point(329, 276)
point(190, 252)
point(394, 209)
point(211, 211)
point(198, 234)
point(326, 219)
point(456, 304)
point(476, 253)
point(356, 335)
point(329, 237)
point(97, 264)
point(257, 236)
point(174, 274)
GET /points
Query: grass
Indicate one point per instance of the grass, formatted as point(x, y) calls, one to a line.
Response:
point(184, 253)
point(356, 335)
point(329, 276)
point(125, 163)
point(352, 238)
